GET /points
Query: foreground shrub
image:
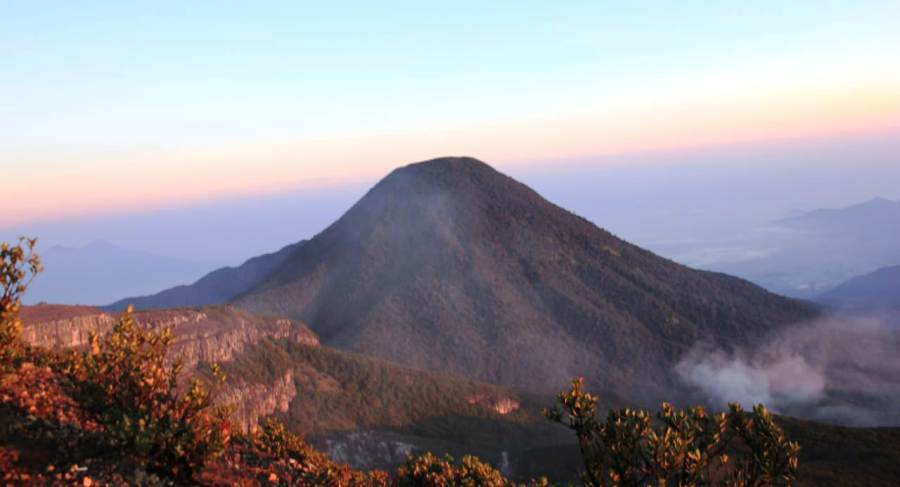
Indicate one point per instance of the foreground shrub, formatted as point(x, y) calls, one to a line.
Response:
point(125, 384)
point(18, 265)
point(428, 470)
point(683, 448)
point(272, 455)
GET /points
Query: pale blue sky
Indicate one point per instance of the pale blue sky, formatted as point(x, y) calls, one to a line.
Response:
point(88, 76)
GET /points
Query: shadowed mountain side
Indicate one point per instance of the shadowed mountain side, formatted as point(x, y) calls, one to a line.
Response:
point(450, 265)
point(216, 287)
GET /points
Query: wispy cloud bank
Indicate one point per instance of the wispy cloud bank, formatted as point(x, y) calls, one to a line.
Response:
point(843, 368)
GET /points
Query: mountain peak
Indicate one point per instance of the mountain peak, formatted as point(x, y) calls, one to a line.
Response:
point(447, 164)
point(879, 202)
point(443, 172)
point(874, 204)
point(101, 244)
point(450, 265)
point(864, 213)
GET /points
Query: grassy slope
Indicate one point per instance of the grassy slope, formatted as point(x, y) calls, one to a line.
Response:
point(340, 392)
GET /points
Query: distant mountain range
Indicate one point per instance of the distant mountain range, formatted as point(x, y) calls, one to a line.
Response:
point(810, 253)
point(871, 217)
point(875, 289)
point(101, 272)
point(218, 286)
point(450, 265)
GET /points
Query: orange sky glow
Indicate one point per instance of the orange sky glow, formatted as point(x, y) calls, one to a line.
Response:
point(145, 179)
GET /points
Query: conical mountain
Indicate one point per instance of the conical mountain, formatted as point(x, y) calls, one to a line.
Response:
point(450, 265)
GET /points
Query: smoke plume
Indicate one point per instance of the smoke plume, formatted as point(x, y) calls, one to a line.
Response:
point(843, 369)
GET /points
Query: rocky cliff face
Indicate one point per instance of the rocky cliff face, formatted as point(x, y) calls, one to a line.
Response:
point(63, 328)
point(499, 404)
point(208, 334)
point(254, 401)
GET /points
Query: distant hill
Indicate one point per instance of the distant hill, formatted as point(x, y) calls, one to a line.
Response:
point(874, 216)
point(875, 289)
point(218, 286)
point(450, 265)
point(101, 272)
point(812, 252)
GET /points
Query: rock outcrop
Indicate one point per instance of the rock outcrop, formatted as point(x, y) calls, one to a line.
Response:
point(499, 404)
point(207, 334)
point(253, 401)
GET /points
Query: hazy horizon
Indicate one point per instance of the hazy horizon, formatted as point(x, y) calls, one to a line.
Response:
point(714, 189)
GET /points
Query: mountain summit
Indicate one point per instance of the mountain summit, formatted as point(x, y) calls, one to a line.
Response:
point(450, 265)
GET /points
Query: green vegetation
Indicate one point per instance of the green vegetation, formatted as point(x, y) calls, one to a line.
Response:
point(430, 471)
point(18, 265)
point(684, 448)
point(124, 385)
point(273, 455)
point(342, 393)
point(340, 390)
point(117, 413)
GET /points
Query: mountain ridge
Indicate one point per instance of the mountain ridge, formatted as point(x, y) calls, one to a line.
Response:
point(877, 210)
point(218, 286)
point(100, 271)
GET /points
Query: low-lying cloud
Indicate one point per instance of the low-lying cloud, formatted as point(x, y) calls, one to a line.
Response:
point(844, 369)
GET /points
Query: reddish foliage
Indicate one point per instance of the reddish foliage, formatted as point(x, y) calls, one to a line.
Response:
point(37, 392)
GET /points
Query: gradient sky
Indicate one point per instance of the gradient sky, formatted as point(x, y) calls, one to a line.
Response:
point(110, 107)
